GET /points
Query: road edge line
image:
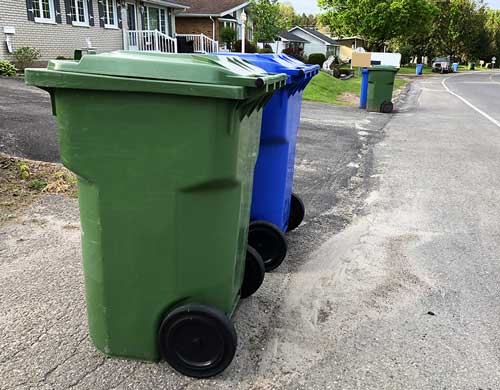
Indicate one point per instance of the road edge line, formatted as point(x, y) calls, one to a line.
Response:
point(484, 114)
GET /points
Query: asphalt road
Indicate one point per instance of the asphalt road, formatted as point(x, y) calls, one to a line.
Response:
point(392, 282)
point(27, 127)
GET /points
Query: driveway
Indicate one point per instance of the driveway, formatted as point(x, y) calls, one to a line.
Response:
point(27, 127)
point(43, 328)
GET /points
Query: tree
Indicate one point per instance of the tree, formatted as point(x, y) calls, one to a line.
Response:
point(378, 21)
point(287, 15)
point(493, 29)
point(459, 31)
point(266, 17)
point(228, 35)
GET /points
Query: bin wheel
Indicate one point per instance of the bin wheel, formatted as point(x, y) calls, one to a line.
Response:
point(297, 213)
point(255, 272)
point(386, 107)
point(269, 241)
point(198, 341)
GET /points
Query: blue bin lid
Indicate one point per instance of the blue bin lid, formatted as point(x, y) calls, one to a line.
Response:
point(280, 63)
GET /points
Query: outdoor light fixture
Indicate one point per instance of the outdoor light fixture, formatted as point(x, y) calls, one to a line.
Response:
point(243, 19)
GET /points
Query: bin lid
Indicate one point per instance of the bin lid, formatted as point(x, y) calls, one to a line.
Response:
point(383, 68)
point(132, 66)
point(279, 63)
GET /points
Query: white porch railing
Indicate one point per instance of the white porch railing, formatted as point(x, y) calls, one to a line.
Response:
point(202, 43)
point(149, 40)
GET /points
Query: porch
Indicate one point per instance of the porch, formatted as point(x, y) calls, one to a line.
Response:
point(157, 41)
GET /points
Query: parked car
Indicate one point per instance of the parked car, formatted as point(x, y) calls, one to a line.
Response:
point(441, 65)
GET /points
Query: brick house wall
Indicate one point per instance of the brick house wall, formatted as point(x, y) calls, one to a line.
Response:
point(54, 39)
point(197, 25)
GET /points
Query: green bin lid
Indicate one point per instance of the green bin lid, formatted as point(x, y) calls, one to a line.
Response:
point(378, 68)
point(220, 72)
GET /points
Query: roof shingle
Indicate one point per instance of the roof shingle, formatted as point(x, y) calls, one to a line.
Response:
point(318, 35)
point(211, 7)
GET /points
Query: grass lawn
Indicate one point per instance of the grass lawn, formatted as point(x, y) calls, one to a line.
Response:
point(327, 89)
point(412, 70)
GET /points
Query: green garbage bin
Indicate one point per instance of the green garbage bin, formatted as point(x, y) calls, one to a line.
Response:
point(164, 147)
point(380, 88)
point(472, 66)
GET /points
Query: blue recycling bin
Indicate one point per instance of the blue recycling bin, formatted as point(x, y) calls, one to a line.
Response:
point(275, 209)
point(420, 69)
point(455, 67)
point(363, 96)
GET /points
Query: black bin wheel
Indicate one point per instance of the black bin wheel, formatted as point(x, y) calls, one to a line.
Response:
point(269, 241)
point(297, 213)
point(386, 107)
point(198, 341)
point(255, 272)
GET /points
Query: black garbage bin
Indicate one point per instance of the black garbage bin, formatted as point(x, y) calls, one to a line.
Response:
point(184, 46)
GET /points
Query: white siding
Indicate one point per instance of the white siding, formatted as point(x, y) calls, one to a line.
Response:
point(314, 46)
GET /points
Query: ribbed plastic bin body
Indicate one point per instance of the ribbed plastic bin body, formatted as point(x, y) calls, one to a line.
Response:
point(274, 172)
point(381, 85)
point(164, 147)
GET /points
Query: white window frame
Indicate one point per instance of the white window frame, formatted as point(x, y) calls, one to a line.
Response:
point(85, 23)
point(165, 20)
point(52, 11)
point(106, 15)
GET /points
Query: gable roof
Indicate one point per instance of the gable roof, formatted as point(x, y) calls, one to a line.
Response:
point(317, 35)
point(213, 7)
point(288, 36)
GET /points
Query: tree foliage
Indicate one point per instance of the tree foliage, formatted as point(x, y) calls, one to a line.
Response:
point(378, 21)
point(462, 29)
point(289, 18)
point(266, 18)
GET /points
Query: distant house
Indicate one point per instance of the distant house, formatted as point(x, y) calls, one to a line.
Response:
point(316, 41)
point(208, 17)
point(348, 45)
point(288, 40)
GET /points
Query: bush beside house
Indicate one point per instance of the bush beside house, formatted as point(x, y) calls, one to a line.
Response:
point(7, 68)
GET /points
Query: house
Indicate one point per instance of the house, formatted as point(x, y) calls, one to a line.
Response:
point(317, 42)
point(207, 17)
point(348, 45)
point(287, 40)
point(57, 27)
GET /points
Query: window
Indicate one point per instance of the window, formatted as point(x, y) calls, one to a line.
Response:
point(43, 11)
point(79, 12)
point(156, 19)
point(110, 14)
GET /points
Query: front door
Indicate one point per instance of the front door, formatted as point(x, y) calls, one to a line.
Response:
point(132, 25)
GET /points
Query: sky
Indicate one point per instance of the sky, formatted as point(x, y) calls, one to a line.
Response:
point(311, 7)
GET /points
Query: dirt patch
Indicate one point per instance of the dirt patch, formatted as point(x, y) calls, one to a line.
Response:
point(349, 98)
point(22, 181)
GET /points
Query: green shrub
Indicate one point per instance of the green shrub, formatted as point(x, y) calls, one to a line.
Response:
point(266, 50)
point(317, 59)
point(228, 36)
point(7, 69)
point(249, 47)
point(26, 56)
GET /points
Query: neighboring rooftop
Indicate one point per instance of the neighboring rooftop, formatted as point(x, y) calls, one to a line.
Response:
point(212, 7)
point(172, 3)
point(288, 36)
point(318, 35)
